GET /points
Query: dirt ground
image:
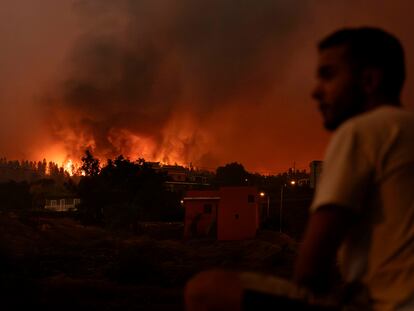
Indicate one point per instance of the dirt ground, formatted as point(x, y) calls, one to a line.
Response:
point(55, 263)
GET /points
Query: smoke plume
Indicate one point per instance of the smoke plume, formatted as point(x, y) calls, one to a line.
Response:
point(146, 78)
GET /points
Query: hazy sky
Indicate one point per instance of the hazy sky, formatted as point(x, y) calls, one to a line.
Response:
point(207, 82)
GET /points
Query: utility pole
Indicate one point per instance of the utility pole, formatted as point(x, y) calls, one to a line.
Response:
point(268, 204)
point(281, 208)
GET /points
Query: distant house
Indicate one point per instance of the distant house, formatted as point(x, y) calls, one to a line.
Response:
point(231, 213)
point(303, 181)
point(181, 179)
point(62, 204)
point(176, 172)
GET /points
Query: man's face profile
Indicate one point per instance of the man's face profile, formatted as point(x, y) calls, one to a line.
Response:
point(338, 90)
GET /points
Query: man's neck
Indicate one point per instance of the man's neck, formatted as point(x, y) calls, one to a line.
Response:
point(375, 102)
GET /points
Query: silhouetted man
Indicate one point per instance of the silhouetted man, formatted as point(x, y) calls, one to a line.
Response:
point(362, 216)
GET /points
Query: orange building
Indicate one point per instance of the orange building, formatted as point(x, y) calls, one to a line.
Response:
point(230, 213)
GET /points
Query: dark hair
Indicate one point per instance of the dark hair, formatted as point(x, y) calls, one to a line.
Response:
point(373, 47)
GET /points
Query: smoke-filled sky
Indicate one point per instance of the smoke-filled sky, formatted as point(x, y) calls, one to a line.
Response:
point(207, 81)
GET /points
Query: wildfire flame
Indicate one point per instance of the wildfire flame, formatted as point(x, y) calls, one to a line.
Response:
point(69, 167)
point(172, 149)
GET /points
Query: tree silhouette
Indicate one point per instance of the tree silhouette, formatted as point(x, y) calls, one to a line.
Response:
point(232, 174)
point(124, 192)
point(90, 165)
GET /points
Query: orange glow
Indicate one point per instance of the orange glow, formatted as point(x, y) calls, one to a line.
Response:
point(69, 167)
point(126, 143)
point(134, 146)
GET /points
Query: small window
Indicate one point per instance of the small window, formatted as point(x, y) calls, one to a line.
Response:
point(236, 216)
point(250, 198)
point(207, 208)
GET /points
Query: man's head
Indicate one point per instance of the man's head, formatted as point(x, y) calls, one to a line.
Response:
point(359, 68)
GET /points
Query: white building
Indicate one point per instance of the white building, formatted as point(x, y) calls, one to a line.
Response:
point(62, 205)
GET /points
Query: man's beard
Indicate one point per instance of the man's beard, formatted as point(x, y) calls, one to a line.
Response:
point(347, 107)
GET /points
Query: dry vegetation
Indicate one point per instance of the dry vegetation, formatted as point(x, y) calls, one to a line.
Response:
point(55, 263)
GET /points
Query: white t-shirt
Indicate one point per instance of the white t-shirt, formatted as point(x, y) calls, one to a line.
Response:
point(369, 168)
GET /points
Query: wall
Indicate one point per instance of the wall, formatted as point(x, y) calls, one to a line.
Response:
point(237, 217)
point(197, 221)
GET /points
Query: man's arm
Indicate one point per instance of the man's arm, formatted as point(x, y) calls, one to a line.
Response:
point(326, 230)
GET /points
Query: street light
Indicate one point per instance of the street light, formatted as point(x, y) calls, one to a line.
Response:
point(262, 194)
point(292, 182)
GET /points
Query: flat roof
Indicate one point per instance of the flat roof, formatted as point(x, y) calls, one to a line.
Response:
point(201, 198)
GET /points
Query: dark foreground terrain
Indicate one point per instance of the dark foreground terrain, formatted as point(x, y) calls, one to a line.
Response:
point(54, 263)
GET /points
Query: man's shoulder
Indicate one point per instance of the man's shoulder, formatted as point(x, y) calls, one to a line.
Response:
point(375, 130)
point(380, 119)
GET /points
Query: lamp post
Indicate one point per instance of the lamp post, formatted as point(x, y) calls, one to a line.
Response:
point(281, 207)
point(262, 194)
point(292, 182)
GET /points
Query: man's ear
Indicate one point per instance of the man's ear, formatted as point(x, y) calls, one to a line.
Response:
point(371, 80)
